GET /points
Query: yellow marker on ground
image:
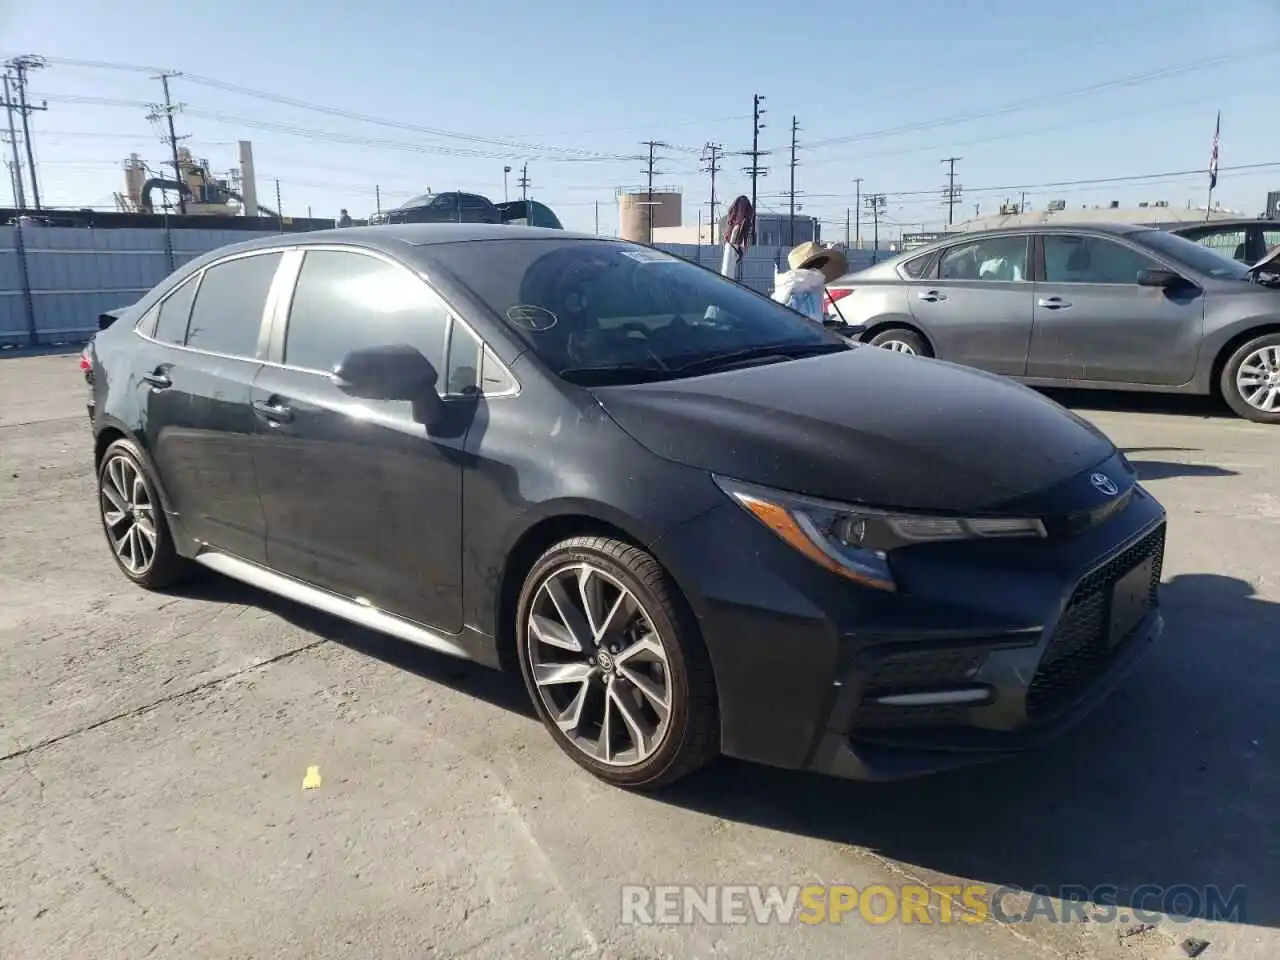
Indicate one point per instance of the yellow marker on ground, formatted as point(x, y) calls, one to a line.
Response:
point(312, 779)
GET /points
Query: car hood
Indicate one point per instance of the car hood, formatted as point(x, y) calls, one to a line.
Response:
point(865, 426)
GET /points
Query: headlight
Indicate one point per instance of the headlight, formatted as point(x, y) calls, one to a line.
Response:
point(855, 541)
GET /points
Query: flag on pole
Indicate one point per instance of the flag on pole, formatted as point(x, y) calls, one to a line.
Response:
point(1213, 157)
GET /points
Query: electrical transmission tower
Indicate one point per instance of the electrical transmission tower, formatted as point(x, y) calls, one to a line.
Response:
point(523, 184)
point(755, 171)
point(165, 112)
point(791, 192)
point(16, 85)
point(650, 173)
point(876, 202)
point(952, 191)
point(711, 155)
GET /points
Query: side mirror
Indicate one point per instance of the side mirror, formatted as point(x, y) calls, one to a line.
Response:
point(1165, 279)
point(393, 372)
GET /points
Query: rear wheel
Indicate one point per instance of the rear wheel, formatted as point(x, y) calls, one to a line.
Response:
point(615, 665)
point(901, 340)
point(133, 519)
point(1250, 380)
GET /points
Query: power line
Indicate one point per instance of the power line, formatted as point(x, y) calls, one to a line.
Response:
point(755, 171)
point(166, 113)
point(711, 157)
point(1132, 80)
point(20, 66)
point(951, 192)
point(650, 173)
point(791, 191)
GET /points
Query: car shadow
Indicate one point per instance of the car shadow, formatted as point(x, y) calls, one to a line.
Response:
point(1171, 781)
point(1172, 404)
point(500, 689)
point(1164, 469)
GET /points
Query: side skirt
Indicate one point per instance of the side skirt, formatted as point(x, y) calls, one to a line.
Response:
point(331, 603)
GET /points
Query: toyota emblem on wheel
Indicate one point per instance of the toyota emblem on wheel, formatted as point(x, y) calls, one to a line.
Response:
point(1104, 484)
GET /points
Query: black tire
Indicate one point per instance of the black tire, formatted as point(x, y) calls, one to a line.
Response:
point(913, 341)
point(1230, 389)
point(692, 737)
point(164, 566)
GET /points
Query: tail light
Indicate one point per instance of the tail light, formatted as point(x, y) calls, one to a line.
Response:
point(86, 365)
point(839, 294)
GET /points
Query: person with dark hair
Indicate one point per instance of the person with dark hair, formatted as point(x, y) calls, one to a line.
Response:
point(344, 218)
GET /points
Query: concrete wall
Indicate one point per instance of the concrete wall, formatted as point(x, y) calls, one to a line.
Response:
point(74, 274)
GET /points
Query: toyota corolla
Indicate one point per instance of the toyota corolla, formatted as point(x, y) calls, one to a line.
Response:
point(693, 521)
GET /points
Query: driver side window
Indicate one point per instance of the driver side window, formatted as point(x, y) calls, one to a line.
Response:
point(1078, 259)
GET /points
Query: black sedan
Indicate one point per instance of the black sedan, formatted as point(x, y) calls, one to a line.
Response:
point(694, 521)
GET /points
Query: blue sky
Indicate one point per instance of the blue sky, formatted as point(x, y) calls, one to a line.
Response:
point(899, 86)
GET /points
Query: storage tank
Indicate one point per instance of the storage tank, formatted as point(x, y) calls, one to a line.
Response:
point(634, 211)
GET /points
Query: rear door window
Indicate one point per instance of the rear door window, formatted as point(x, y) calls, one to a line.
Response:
point(994, 259)
point(346, 301)
point(175, 311)
point(227, 315)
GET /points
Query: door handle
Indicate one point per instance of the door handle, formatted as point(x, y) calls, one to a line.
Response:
point(273, 410)
point(1053, 303)
point(931, 296)
point(157, 380)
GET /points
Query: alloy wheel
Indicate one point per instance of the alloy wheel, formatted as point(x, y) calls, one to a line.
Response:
point(128, 514)
point(897, 346)
point(599, 665)
point(1258, 379)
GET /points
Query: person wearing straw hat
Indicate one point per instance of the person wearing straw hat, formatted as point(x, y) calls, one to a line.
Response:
point(802, 287)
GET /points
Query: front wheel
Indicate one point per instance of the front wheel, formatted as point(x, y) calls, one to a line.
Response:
point(615, 665)
point(1251, 379)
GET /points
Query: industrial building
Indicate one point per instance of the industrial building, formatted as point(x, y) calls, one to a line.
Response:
point(202, 192)
point(640, 211)
point(1153, 213)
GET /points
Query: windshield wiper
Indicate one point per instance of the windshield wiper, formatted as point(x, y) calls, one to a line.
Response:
point(617, 373)
point(781, 351)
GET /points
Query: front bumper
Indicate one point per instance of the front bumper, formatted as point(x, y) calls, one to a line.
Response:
point(1015, 640)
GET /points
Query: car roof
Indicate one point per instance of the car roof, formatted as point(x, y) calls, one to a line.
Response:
point(397, 235)
point(1072, 227)
point(1229, 224)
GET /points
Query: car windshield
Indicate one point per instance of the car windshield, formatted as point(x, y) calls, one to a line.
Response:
point(1198, 257)
point(599, 311)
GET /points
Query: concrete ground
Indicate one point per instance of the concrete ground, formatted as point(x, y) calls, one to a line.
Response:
point(153, 750)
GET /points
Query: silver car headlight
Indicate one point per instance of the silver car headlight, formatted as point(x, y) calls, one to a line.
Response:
point(855, 541)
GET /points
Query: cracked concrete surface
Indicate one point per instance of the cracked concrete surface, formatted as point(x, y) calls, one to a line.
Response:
point(152, 750)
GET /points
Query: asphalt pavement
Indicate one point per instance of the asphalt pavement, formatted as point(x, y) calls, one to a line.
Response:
point(154, 748)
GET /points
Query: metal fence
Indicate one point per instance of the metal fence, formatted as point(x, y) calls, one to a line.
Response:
point(54, 281)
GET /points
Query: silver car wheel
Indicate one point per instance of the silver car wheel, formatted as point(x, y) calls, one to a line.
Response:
point(599, 665)
point(897, 346)
point(1258, 379)
point(128, 515)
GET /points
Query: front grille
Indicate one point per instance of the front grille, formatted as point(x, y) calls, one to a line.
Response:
point(1079, 651)
point(916, 670)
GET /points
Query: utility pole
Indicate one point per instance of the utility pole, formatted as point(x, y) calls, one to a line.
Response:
point(377, 198)
point(711, 154)
point(20, 66)
point(875, 203)
point(597, 218)
point(857, 212)
point(166, 112)
point(846, 228)
point(650, 172)
point(18, 196)
point(505, 171)
point(279, 206)
point(523, 183)
point(755, 171)
point(791, 192)
point(951, 192)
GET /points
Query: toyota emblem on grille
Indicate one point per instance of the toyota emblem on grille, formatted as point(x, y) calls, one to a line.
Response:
point(1104, 484)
